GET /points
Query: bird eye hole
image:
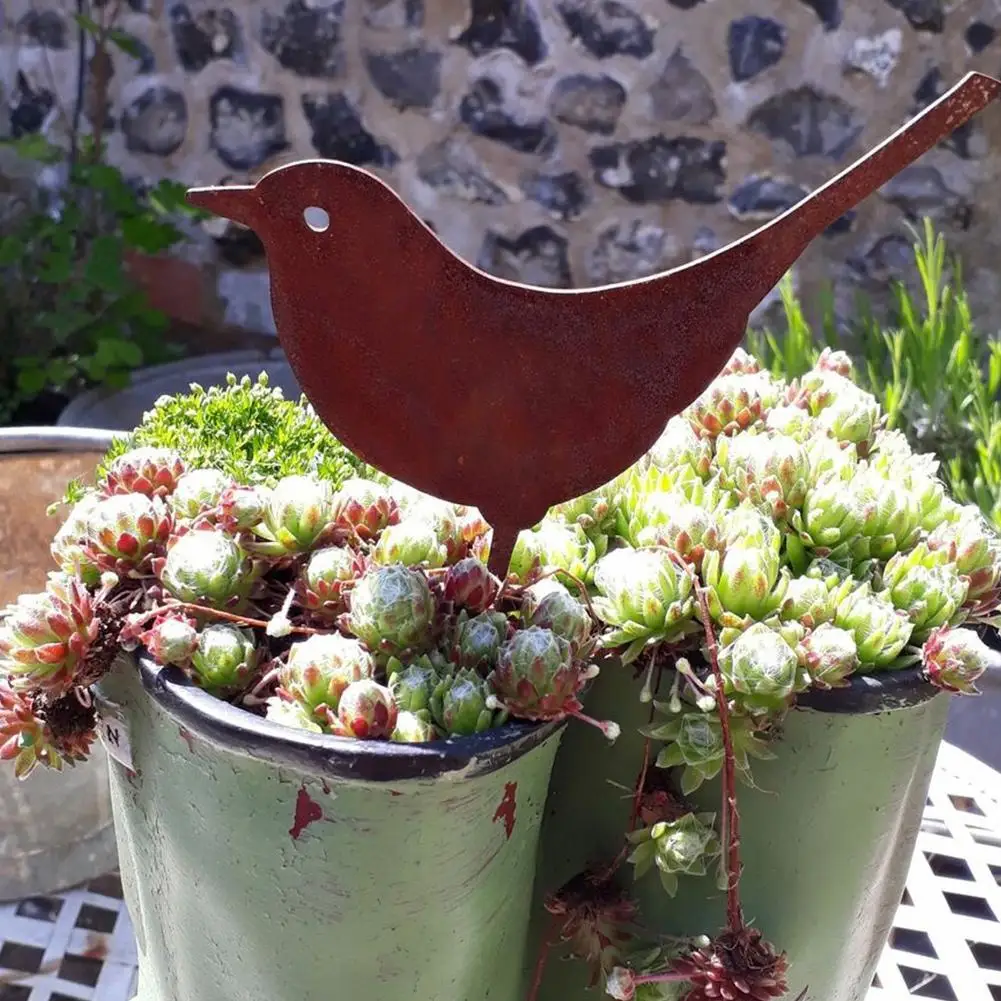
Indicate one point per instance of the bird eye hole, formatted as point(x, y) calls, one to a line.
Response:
point(317, 219)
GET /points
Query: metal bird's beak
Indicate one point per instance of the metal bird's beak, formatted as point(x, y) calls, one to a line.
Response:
point(237, 202)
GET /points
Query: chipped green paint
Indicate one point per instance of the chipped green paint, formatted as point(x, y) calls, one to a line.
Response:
point(827, 837)
point(251, 883)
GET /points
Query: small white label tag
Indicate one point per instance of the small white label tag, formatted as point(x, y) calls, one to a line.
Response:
point(114, 734)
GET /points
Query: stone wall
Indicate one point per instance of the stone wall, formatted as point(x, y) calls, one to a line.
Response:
point(557, 142)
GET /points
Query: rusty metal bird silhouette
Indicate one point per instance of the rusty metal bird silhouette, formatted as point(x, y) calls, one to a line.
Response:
point(505, 396)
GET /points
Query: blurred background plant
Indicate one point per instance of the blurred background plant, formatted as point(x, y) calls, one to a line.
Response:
point(936, 375)
point(71, 316)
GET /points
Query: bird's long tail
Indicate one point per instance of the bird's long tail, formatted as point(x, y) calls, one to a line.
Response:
point(770, 251)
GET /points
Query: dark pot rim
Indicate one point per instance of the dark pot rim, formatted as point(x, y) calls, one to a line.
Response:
point(882, 691)
point(339, 757)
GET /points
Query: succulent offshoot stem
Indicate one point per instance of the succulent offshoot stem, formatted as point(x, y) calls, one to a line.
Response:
point(731, 818)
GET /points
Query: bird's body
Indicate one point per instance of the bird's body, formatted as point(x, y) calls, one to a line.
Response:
point(505, 396)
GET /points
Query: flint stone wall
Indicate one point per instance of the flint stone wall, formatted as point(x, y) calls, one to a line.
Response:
point(556, 142)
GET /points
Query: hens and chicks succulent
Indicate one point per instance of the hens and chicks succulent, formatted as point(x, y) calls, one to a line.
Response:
point(365, 612)
point(825, 547)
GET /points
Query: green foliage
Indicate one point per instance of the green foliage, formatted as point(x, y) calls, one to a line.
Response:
point(70, 315)
point(789, 354)
point(936, 376)
point(248, 430)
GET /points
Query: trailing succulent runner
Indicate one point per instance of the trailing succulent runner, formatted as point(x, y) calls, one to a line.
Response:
point(775, 539)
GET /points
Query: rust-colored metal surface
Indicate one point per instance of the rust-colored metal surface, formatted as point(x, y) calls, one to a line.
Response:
point(500, 395)
point(29, 483)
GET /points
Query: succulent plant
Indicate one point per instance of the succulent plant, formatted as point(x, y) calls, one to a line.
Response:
point(470, 585)
point(694, 743)
point(670, 519)
point(762, 670)
point(927, 589)
point(413, 728)
point(46, 637)
point(732, 403)
point(832, 360)
point(975, 549)
point(954, 659)
point(367, 711)
point(891, 520)
point(412, 542)
point(172, 639)
point(747, 525)
point(392, 610)
point(299, 510)
point(736, 965)
point(291, 713)
point(821, 388)
point(413, 685)
point(771, 470)
point(679, 445)
point(852, 417)
point(478, 640)
point(57, 734)
point(645, 596)
point(792, 421)
point(323, 582)
point(745, 582)
point(319, 669)
point(207, 567)
point(153, 472)
point(832, 516)
point(548, 604)
point(460, 705)
point(679, 847)
point(881, 632)
point(197, 492)
point(225, 658)
point(124, 530)
point(365, 508)
point(241, 508)
point(593, 512)
point(553, 545)
point(441, 518)
point(829, 457)
point(808, 601)
point(829, 655)
point(69, 543)
point(472, 525)
point(536, 677)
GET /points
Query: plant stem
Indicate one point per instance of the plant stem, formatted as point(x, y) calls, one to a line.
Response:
point(734, 913)
point(660, 978)
point(548, 941)
point(242, 620)
point(647, 743)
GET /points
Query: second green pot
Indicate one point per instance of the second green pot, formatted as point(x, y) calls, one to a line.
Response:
point(826, 837)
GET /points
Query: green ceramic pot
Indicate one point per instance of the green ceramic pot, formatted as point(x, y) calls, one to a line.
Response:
point(262, 863)
point(827, 837)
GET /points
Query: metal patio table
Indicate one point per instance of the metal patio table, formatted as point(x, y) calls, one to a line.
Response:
point(945, 944)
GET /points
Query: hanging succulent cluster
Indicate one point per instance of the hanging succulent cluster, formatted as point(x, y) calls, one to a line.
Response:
point(774, 539)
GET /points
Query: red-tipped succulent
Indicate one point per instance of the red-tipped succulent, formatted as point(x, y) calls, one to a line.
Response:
point(153, 472)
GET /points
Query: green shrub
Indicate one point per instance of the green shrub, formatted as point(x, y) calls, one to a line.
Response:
point(246, 429)
point(70, 315)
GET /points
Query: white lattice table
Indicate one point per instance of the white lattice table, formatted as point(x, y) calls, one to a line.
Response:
point(945, 944)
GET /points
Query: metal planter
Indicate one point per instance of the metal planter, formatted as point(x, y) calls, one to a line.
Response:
point(56, 829)
point(261, 863)
point(827, 836)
